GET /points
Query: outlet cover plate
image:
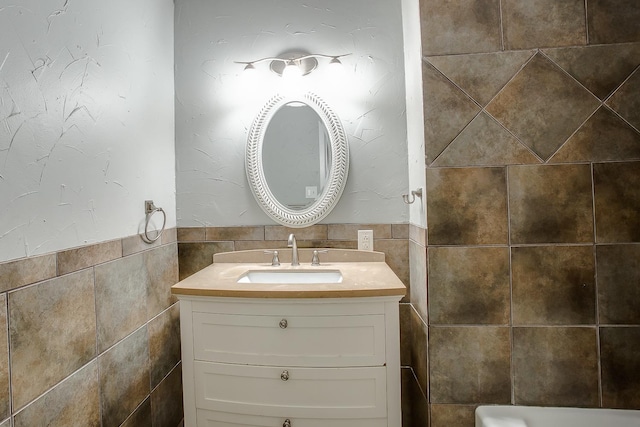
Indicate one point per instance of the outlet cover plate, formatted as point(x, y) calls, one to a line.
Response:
point(365, 240)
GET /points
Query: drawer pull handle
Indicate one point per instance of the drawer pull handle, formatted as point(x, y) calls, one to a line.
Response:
point(286, 423)
point(284, 376)
point(284, 323)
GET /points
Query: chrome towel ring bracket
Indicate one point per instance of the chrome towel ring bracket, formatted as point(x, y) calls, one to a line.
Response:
point(149, 210)
point(414, 194)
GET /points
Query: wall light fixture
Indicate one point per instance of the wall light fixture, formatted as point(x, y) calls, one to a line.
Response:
point(293, 63)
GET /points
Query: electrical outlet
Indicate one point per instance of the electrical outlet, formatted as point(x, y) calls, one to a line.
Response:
point(365, 240)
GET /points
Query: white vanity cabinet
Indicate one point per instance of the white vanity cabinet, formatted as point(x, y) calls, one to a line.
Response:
point(290, 362)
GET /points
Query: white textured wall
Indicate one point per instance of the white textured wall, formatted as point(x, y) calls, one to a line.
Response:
point(415, 115)
point(86, 120)
point(215, 105)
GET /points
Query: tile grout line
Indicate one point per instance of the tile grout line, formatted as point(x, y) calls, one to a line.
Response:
point(596, 287)
point(501, 11)
point(9, 366)
point(512, 368)
point(586, 21)
point(97, 353)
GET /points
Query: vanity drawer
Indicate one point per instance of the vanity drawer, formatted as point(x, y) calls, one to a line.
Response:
point(291, 392)
point(319, 341)
point(223, 419)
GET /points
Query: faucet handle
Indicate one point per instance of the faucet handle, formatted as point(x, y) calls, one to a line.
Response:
point(315, 260)
point(275, 261)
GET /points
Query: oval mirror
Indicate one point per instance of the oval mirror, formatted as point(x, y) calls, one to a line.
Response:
point(297, 159)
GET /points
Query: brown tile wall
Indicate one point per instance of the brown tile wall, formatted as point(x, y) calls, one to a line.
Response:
point(91, 336)
point(532, 152)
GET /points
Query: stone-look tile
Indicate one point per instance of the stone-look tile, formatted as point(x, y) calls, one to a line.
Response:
point(142, 281)
point(314, 232)
point(470, 364)
point(52, 330)
point(415, 408)
point(193, 257)
point(282, 244)
point(481, 76)
point(555, 366)
point(350, 231)
point(551, 204)
point(141, 417)
point(191, 234)
point(4, 360)
point(485, 143)
point(234, 233)
point(285, 252)
point(399, 231)
point(245, 245)
point(418, 234)
point(448, 111)
point(469, 286)
point(618, 279)
point(620, 361)
point(553, 285)
point(417, 292)
point(466, 26)
point(161, 266)
point(543, 23)
point(124, 377)
point(166, 401)
point(164, 344)
point(121, 298)
point(406, 312)
point(453, 415)
point(396, 253)
point(601, 69)
point(613, 21)
point(6, 423)
point(134, 244)
point(605, 136)
point(170, 235)
point(75, 401)
point(542, 106)
point(419, 354)
point(626, 100)
point(467, 206)
point(617, 202)
point(87, 256)
point(26, 271)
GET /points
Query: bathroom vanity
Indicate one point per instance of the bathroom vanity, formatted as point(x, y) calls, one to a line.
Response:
point(303, 346)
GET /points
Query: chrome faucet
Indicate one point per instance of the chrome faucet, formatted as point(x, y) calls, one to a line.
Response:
point(294, 249)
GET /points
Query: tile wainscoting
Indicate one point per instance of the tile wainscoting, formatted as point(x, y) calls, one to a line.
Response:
point(91, 336)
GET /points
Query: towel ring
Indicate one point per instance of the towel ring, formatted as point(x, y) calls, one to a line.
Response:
point(149, 210)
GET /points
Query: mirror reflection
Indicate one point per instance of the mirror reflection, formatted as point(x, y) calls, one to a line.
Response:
point(296, 155)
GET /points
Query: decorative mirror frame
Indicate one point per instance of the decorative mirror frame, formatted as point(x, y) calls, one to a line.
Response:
point(337, 173)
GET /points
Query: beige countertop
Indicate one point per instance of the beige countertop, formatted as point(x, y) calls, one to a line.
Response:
point(363, 275)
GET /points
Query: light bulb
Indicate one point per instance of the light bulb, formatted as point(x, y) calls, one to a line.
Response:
point(335, 66)
point(291, 70)
point(249, 70)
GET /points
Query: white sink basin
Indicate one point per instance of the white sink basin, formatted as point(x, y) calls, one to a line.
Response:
point(291, 276)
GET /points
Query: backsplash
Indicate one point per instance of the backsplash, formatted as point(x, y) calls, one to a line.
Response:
point(532, 133)
point(93, 336)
